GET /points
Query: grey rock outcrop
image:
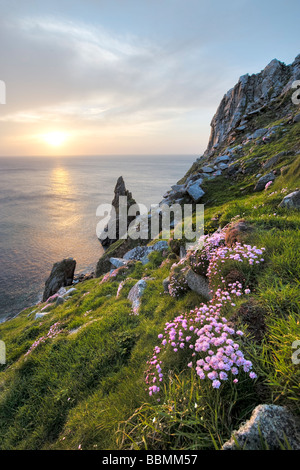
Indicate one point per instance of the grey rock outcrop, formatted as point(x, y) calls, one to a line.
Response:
point(195, 191)
point(59, 301)
point(197, 284)
point(61, 275)
point(221, 159)
point(222, 166)
point(140, 253)
point(166, 283)
point(118, 262)
point(291, 201)
point(207, 169)
point(135, 295)
point(258, 133)
point(269, 425)
point(263, 180)
point(249, 96)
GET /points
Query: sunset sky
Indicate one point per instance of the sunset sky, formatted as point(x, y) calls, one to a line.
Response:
point(92, 77)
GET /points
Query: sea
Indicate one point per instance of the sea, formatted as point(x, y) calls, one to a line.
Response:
point(48, 213)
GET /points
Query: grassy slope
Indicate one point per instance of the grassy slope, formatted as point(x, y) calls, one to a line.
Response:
point(85, 387)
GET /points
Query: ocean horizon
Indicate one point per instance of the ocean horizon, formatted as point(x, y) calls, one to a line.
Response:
point(48, 213)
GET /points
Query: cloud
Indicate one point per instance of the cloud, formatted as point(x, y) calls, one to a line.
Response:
point(113, 84)
point(67, 68)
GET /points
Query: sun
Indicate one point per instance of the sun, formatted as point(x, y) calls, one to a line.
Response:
point(55, 139)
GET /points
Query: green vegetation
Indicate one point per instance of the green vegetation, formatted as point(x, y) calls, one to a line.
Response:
point(84, 386)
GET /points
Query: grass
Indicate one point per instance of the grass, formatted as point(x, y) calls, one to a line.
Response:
point(85, 387)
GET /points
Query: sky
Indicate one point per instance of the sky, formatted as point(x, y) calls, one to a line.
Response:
point(138, 77)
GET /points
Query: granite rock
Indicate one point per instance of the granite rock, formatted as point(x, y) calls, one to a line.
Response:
point(269, 425)
point(61, 275)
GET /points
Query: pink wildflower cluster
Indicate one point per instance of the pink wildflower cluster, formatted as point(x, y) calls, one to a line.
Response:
point(178, 284)
point(121, 285)
point(53, 331)
point(268, 185)
point(215, 352)
point(238, 252)
point(111, 274)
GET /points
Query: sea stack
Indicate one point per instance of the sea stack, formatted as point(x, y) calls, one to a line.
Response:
point(120, 190)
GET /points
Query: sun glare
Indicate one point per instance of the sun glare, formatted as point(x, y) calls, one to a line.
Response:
point(56, 139)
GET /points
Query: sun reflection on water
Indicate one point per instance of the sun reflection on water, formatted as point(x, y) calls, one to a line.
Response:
point(64, 207)
point(60, 181)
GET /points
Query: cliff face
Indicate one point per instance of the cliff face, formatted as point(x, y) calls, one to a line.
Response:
point(248, 97)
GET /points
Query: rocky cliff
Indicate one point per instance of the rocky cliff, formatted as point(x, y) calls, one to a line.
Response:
point(248, 97)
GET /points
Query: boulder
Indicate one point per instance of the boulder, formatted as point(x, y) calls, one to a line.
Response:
point(40, 315)
point(194, 180)
point(178, 190)
point(140, 253)
point(269, 425)
point(59, 301)
point(69, 291)
point(222, 166)
point(135, 295)
point(137, 253)
point(207, 169)
point(61, 275)
point(263, 180)
point(197, 283)
point(195, 191)
point(241, 128)
point(118, 262)
point(258, 133)
point(221, 159)
point(115, 251)
point(291, 201)
point(166, 283)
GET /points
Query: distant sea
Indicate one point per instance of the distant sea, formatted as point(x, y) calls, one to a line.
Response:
point(48, 212)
